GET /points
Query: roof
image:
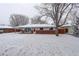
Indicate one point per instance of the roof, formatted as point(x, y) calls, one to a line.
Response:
point(67, 25)
point(2, 27)
point(38, 26)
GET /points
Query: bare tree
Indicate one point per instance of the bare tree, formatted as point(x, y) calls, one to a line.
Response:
point(76, 27)
point(75, 19)
point(37, 20)
point(16, 20)
point(57, 11)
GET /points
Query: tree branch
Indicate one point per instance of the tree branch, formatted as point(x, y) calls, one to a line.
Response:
point(66, 7)
point(66, 17)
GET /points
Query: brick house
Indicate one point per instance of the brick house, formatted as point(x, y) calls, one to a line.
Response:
point(42, 29)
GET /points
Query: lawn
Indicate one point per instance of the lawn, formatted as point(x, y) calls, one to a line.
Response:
point(14, 44)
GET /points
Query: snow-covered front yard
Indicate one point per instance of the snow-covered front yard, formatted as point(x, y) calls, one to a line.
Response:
point(38, 44)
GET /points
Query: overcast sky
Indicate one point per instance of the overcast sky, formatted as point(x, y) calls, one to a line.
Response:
point(7, 9)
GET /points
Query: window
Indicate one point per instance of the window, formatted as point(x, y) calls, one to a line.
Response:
point(51, 29)
point(41, 28)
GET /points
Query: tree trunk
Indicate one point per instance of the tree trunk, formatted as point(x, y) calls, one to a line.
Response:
point(56, 31)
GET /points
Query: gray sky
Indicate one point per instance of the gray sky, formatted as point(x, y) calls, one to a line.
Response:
point(7, 9)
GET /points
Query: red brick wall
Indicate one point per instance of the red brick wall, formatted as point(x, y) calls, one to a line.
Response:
point(61, 31)
point(11, 30)
point(45, 32)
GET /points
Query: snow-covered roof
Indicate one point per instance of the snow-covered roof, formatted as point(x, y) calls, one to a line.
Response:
point(1, 27)
point(38, 26)
point(67, 25)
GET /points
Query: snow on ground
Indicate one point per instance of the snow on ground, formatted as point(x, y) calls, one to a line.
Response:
point(14, 44)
